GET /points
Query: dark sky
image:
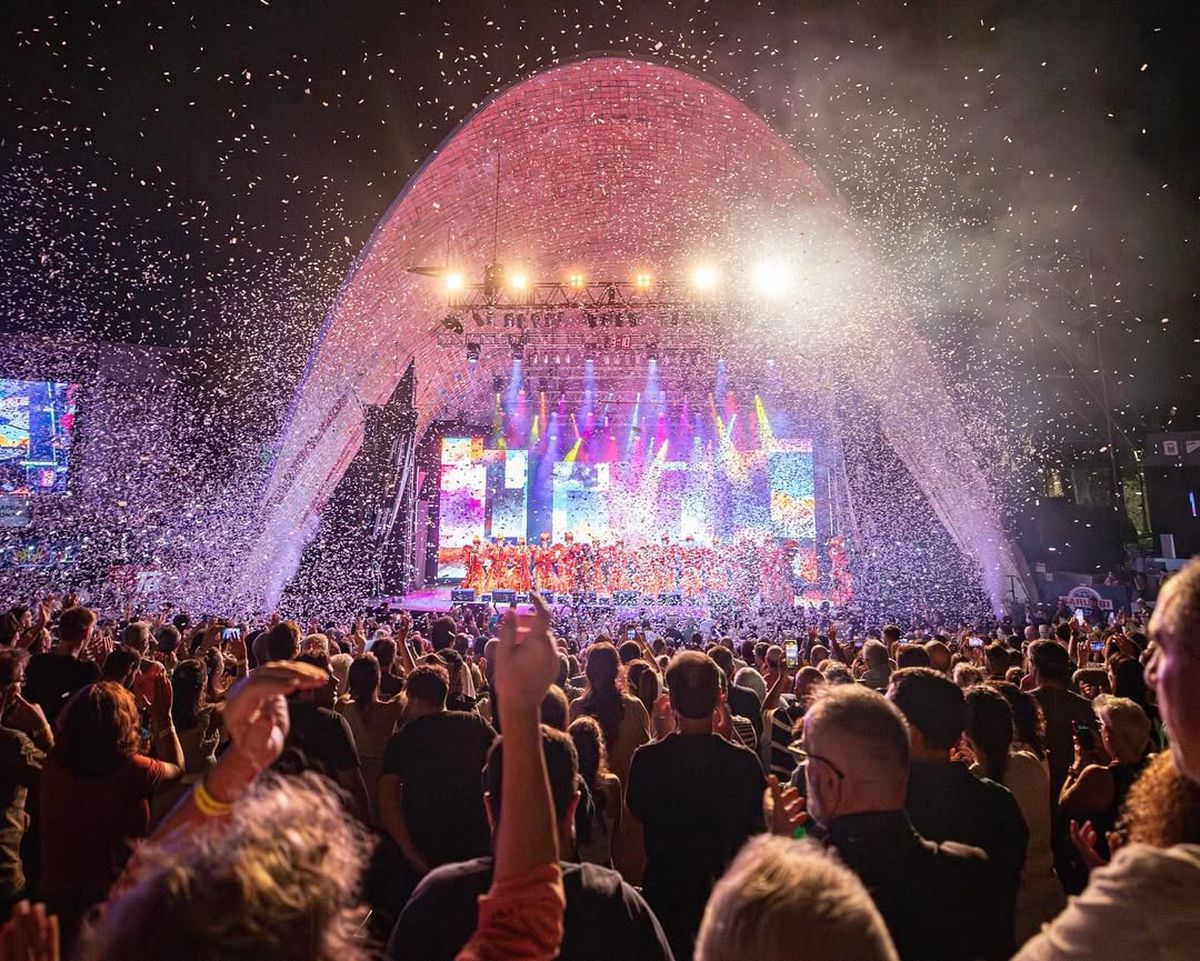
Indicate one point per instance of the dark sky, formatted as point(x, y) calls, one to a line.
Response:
point(203, 172)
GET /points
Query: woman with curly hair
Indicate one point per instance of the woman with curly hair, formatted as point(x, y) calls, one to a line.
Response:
point(622, 718)
point(96, 789)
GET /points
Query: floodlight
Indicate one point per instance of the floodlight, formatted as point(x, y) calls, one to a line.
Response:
point(705, 278)
point(642, 280)
point(518, 281)
point(575, 280)
point(771, 278)
point(453, 281)
point(472, 353)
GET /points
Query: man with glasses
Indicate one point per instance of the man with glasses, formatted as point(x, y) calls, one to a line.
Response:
point(855, 747)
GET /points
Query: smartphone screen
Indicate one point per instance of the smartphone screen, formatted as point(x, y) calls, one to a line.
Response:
point(791, 653)
point(976, 642)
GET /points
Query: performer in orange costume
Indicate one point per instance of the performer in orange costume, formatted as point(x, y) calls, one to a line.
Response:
point(691, 573)
point(524, 578)
point(543, 565)
point(473, 566)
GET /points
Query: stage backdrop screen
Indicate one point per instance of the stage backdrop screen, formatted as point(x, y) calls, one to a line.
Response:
point(37, 419)
point(720, 496)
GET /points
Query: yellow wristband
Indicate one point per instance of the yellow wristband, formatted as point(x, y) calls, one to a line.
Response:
point(208, 805)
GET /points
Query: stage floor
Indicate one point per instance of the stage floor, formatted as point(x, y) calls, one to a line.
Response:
point(437, 600)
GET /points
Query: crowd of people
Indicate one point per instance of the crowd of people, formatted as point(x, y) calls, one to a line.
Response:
point(495, 784)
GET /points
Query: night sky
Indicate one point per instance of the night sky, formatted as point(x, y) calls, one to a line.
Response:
point(203, 173)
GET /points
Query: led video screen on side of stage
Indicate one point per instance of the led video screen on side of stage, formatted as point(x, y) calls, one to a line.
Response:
point(37, 419)
point(721, 495)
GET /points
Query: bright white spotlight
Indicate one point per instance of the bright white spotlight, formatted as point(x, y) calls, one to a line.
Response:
point(705, 278)
point(643, 281)
point(518, 281)
point(771, 278)
point(453, 281)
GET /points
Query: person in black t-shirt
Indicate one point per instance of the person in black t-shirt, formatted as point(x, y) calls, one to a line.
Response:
point(51, 679)
point(698, 798)
point(430, 796)
point(605, 920)
point(320, 739)
point(946, 802)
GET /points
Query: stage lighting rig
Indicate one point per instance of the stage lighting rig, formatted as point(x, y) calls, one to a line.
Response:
point(452, 323)
point(472, 354)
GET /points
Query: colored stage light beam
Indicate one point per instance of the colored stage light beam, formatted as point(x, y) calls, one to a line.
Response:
point(573, 453)
point(635, 426)
point(535, 431)
point(766, 436)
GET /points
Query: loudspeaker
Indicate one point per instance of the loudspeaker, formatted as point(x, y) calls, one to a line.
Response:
point(500, 596)
point(463, 595)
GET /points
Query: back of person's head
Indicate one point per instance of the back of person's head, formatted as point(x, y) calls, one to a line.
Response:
point(74, 625)
point(562, 765)
point(723, 657)
point(874, 653)
point(746, 650)
point(891, 634)
point(384, 650)
point(282, 642)
point(1029, 726)
point(835, 672)
point(694, 684)
point(188, 681)
point(643, 683)
point(780, 900)
point(603, 667)
point(1063, 633)
point(97, 729)
point(1129, 680)
point(429, 684)
point(997, 657)
point(555, 710)
point(136, 636)
point(363, 679)
point(1051, 661)
point(966, 675)
point(871, 728)
point(629, 651)
point(242, 889)
point(441, 633)
point(167, 639)
point(1127, 724)
point(989, 725)
point(120, 665)
point(589, 746)
point(932, 704)
point(911, 655)
point(939, 656)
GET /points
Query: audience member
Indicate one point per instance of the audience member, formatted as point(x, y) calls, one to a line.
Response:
point(698, 798)
point(51, 678)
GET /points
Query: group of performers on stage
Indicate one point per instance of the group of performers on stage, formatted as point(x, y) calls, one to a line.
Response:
point(740, 570)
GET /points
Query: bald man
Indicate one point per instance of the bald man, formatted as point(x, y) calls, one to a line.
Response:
point(856, 748)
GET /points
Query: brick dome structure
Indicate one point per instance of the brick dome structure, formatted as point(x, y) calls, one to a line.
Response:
point(606, 164)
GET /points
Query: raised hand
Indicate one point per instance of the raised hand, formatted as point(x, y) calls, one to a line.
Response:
point(787, 808)
point(526, 659)
point(30, 934)
point(1085, 839)
point(256, 714)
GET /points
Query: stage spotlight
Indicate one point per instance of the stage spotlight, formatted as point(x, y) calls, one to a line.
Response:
point(575, 280)
point(643, 280)
point(472, 354)
point(518, 349)
point(497, 384)
point(518, 281)
point(771, 278)
point(705, 278)
point(454, 281)
point(452, 323)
